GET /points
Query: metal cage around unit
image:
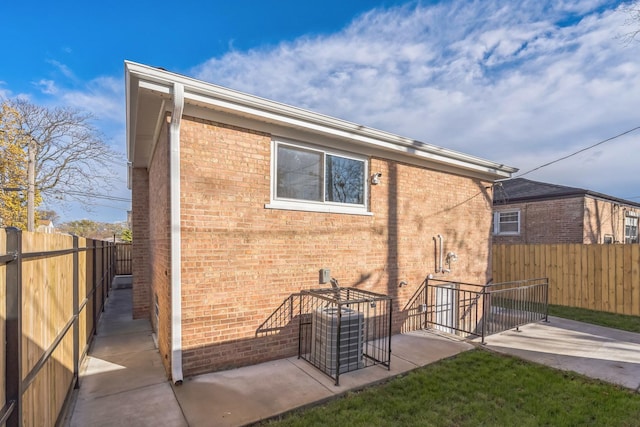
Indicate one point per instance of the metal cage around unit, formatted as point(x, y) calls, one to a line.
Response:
point(344, 329)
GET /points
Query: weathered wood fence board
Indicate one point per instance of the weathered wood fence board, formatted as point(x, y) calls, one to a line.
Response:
point(596, 277)
point(60, 284)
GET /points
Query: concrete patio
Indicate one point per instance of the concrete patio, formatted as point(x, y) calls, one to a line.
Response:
point(123, 381)
point(607, 354)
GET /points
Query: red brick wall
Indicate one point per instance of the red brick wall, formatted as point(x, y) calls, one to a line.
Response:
point(160, 244)
point(547, 221)
point(140, 246)
point(241, 260)
point(571, 220)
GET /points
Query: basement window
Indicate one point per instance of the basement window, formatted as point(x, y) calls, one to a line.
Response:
point(506, 223)
point(313, 179)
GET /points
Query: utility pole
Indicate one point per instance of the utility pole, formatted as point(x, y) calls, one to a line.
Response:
point(31, 189)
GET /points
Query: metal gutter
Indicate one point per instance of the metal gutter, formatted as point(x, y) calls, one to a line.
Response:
point(176, 254)
point(206, 94)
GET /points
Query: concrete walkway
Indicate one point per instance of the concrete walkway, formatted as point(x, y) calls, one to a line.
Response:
point(608, 354)
point(123, 381)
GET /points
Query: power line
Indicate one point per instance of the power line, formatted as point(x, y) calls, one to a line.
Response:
point(579, 151)
point(95, 196)
point(110, 207)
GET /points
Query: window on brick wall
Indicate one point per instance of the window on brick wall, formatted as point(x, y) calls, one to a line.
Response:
point(507, 222)
point(631, 230)
point(313, 179)
point(608, 239)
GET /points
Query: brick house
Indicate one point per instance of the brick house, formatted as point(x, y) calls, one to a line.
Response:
point(531, 212)
point(239, 201)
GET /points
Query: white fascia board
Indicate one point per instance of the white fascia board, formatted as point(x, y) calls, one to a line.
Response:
point(207, 94)
point(131, 99)
point(371, 137)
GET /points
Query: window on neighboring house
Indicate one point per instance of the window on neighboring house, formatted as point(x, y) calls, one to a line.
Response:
point(313, 179)
point(507, 222)
point(631, 230)
point(608, 239)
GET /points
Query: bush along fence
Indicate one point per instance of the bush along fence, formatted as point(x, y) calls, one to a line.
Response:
point(595, 277)
point(52, 291)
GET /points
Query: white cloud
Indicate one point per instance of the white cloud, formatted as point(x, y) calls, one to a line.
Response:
point(517, 82)
point(4, 92)
point(103, 97)
point(48, 87)
point(64, 69)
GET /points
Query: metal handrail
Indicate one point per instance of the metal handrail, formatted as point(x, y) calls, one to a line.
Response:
point(533, 308)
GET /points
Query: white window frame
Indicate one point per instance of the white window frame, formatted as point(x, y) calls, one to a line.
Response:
point(317, 206)
point(496, 223)
point(628, 238)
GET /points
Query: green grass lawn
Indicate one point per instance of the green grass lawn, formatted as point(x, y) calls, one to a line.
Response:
point(611, 320)
point(479, 388)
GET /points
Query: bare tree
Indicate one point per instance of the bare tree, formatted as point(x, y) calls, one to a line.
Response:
point(67, 158)
point(633, 20)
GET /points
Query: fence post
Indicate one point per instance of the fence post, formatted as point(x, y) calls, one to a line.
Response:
point(103, 270)
point(484, 311)
point(13, 324)
point(426, 302)
point(95, 286)
point(76, 312)
point(546, 301)
point(108, 268)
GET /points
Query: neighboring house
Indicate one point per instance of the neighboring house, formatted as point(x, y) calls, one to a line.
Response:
point(46, 226)
point(239, 201)
point(536, 212)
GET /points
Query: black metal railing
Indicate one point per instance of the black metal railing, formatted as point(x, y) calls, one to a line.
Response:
point(98, 270)
point(510, 305)
point(469, 309)
point(281, 317)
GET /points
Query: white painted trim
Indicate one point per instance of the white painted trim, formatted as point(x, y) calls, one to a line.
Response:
point(319, 207)
point(496, 223)
point(156, 132)
point(176, 253)
point(131, 95)
point(223, 99)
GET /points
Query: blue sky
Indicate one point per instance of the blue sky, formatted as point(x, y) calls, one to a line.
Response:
point(521, 83)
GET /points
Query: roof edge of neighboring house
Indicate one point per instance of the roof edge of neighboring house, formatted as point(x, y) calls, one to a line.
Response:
point(197, 92)
point(564, 193)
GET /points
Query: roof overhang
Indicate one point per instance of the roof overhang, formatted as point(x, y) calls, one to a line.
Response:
point(149, 94)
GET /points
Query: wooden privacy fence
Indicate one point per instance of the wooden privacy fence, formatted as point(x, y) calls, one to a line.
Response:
point(52, 290)
point(596, 277)
point(123, 258)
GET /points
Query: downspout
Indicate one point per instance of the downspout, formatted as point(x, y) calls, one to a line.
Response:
point(176, 255)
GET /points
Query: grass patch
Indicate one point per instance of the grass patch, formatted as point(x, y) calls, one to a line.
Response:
point(602, 318)
point(479, 388)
